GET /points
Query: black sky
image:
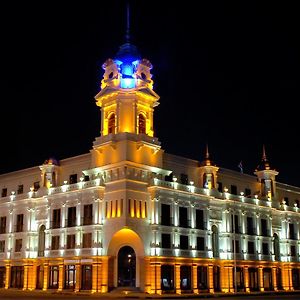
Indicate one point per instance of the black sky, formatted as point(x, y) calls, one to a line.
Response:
point(227, 74)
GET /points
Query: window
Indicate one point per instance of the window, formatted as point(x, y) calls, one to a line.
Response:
point(166, 240)
point(250, 228)
point(184, 242)
point(71, 241)
point(200, 219)
point(250, 247)
point(73, 178)
point(235, 224)
point(183, 217)
point(20, 189)
point(88, 214)
point(56, 218)
point(3, 225)
point(86, 277)
point(18, 245)
point(292, 235)
point(55, 242)
point(215, 240)
point(4, 192)
point(87, 240)
point(264, 227)
point(142, 124)
point(41, 242)
point(165, 214)
point(247, 192)
point(235, 246)
point(286, 199)
point(86, 178)
point(53, 277)
point(19, 227)
point(36, 186)
point(72, 216)
point(220, 186)
point(184, 179)
point(200, 243)
point(169, 177)
point(111, 123)
point(265, 248)
point(2, 246)
point(233, 190)
point(293, 250)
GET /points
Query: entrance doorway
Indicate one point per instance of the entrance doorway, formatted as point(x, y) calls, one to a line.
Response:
point(126, 267)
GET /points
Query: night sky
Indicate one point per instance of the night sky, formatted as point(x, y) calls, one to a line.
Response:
point(227, 74)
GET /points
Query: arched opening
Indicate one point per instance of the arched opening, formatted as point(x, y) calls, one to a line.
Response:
point(126, 267)
point(111, 123)
point(215, 241)
point(276, 246)
point(41, 246)
point(142, 124)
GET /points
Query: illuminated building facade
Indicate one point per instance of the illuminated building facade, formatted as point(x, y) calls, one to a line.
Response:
point(129, 214)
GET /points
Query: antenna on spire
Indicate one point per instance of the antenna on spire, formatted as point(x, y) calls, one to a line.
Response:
point(127, 36)
point(264, 156)
point(206, 152)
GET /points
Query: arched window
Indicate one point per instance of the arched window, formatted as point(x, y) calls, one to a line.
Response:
point(41, 248)
point(215, 241)
point(111, 123)
point(276, 246)
point(142, 124)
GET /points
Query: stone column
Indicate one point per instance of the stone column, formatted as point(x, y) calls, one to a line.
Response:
point(274, 278)
point(177, 279)
point(78, 277)
point(46, 276)
point(61, 277)
point(7, 276)
point(104, 279)
point(96, 276)
point(246, 277)
point(195, 279)
point(261, 279)
point(211, 278)
point(25, 279)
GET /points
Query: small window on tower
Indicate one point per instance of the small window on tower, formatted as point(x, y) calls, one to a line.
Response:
point(144, 77)
point(111, 123)
point(142, 124)
point(111, 74)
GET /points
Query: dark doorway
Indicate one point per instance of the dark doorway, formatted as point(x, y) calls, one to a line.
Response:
point(17, 277)
point(86, 277)
point(167, 278)
point(40, 277)
point(126, 267)
point(2, 277)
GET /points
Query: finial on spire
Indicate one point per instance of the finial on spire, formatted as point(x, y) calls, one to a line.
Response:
point(206, 152)
point(127, 35)
point(264, 156)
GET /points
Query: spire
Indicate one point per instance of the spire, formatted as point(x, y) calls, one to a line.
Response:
point(127, 35)
point(264, 165)
point(206, 161)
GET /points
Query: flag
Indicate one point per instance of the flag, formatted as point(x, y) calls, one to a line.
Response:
point(240, 166)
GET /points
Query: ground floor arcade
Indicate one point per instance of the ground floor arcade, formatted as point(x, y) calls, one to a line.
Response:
point(151, 274)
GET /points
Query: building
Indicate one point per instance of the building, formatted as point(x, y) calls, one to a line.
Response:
point(129, 214)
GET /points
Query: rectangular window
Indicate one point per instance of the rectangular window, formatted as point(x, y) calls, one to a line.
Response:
point(72, 216)
point(166, 240)
point(264, 227)
point(293, 250)
point(184, 179)
point(56, 218)
point(286, 199)
point(73, 178)
point(235, 246)
point(220, 186)
point(250, 228)
point(36, 186)
point(235, 224)
point(19, 227)
point(233, 190)
point(265, 248)
point(183, 217)
point(18, 245)
point(86, 178)
point(53, 277)
point(250, 247)
point(200, 243)
point(3, 225)
point(247, 192)
point(165, 214)
point(55, 242)
point(20, 189)
point(71, 241)
point(200, 219)
point(4, 192)
point(2, 246)
point(88, 214)
point(184, 242)
point(292, 235)
point(87, 240)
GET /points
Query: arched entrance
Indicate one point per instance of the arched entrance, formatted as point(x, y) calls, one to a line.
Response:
point(126, 267)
